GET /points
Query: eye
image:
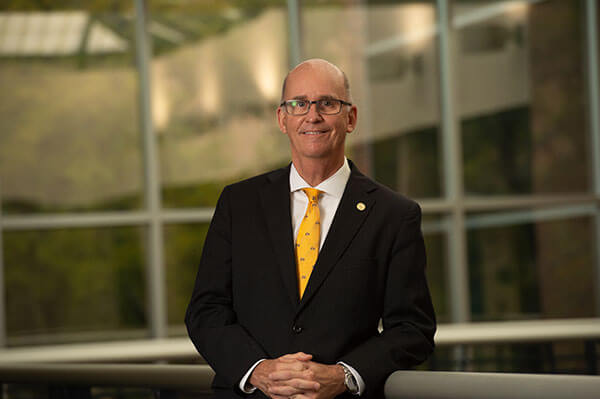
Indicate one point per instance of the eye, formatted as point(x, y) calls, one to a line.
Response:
point(326, 103)
point(298, 103)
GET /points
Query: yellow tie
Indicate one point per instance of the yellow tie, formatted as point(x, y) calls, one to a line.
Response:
point(307, 242)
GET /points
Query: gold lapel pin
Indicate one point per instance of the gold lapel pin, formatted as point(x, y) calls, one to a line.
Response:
point(361, 206)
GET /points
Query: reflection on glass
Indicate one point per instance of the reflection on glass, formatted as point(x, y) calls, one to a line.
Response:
point(529, 271)
point(564, 357)
point(183, 247)
point(497, 153)
point(389, 52)
point(68, 113)
point(215, 95)
point(521, 96)
point(61, 284)
point(408, 163)
point(435, 245)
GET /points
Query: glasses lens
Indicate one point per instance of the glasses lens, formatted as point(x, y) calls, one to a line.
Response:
point(329, 106)
point(296, 107)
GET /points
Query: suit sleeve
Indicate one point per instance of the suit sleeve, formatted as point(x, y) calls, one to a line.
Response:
point(210, 318)
point(408, 316)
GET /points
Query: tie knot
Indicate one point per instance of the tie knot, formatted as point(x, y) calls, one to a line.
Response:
point(312, 194)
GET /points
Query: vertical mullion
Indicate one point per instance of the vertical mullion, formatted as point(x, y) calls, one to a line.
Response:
point(294, 33)
point(156, 298)
point(452, 164)
point(3, 328)
point(594, 126)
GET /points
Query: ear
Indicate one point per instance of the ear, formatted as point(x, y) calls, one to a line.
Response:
point(352, 118)
point(281, 119)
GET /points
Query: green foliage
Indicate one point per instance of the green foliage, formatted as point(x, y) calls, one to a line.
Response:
point(497, 152)
point(51, 5)
point(183, 247)
point(193, 196)
point(503, 275)
point(26, 206)
point(409, 163)
point(63, 281)
point(436, 275)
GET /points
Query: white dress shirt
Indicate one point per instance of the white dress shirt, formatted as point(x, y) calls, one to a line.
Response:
point(332, 190)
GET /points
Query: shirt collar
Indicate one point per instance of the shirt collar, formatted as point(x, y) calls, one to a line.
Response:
point(334, 185)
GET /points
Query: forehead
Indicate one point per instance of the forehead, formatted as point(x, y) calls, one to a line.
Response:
point(315, 81)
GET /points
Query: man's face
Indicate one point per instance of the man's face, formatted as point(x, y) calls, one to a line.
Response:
point(316, 136)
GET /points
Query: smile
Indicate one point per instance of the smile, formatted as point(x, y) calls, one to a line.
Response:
point(314, 132)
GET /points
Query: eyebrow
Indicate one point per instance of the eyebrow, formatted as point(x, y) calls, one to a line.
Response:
point(305, 98)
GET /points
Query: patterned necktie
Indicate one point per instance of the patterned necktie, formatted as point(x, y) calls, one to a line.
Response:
point(307, 242)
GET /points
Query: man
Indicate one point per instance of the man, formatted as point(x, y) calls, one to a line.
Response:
point(301, 264)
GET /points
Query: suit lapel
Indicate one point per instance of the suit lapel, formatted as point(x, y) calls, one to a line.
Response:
point(347, 221)
point(275, 199)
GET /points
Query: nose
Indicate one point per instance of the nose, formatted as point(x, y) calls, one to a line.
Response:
point(313, 114)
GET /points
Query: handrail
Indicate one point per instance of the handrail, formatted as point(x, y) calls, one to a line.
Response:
point(193, 377)
point(182, 349)
point(518, 331)
point(455, 385)
point(400, 385)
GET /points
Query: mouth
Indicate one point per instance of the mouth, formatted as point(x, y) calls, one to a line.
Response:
point(314, 132)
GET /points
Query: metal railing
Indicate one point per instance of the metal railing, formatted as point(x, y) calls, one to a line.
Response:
point(400, 385)
point(460, 385)
point(55, 365)
point(182, 349)
point(182, 377)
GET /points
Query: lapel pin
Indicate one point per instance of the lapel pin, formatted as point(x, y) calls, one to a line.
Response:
point(361, 206)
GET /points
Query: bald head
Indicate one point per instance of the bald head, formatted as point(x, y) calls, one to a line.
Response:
point(323, 67)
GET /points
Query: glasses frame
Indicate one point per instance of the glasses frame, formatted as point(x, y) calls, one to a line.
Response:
point(310, 103)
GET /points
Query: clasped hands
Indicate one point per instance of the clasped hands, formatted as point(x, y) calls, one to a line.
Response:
point(297, 376)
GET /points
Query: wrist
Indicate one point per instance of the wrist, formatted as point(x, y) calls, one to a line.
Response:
point(340, 378)
point(350, 383)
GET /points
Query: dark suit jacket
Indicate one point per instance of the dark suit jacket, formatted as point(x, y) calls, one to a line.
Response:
point(245, 305)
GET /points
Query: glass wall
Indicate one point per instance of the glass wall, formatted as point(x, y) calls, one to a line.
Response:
point(521, 97)
point(214, 92)
point(69, 148)
point(70, 139)
point(100, 236)
point(74, 284)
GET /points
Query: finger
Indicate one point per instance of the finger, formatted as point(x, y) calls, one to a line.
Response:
point(304, 385)
point(283, 390)
point(284, 375)
point(302, 356)
point(297, 356)
point(288, 360)
point(291, 365)
point(292, 360)
point(298, 383)
point(293, 387)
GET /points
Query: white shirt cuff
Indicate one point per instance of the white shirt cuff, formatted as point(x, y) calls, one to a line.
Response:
point(243, 387)
point(359, 380)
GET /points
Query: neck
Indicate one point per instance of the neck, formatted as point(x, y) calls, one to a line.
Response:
point(314, 171)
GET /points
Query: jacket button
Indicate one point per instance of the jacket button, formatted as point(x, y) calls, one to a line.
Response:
point(297, 329)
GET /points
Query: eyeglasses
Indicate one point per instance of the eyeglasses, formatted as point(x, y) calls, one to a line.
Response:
point(330, 106)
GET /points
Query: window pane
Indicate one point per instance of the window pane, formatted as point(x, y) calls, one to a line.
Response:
point(389, 52)
point(564, 357)
point(183, 248)
point(408, 163)
point(521, 96)
point(68, 113)
point(435, 246)
point(74, 285)
point(534, 270)
point(216, 90)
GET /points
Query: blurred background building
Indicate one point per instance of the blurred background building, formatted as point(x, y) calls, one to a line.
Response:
point(116, 139)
